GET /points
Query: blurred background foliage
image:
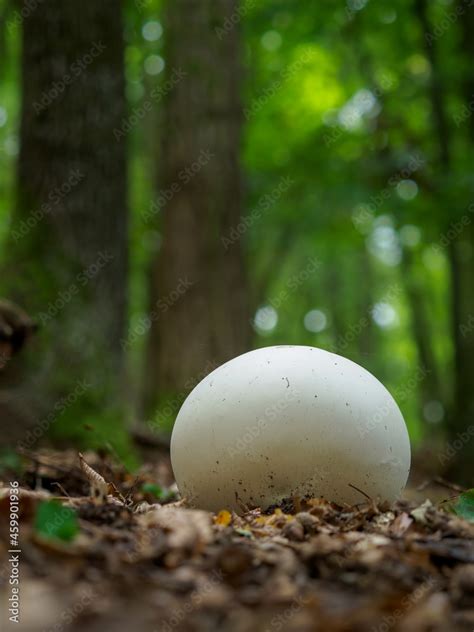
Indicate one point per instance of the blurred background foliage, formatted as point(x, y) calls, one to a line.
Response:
point(351, 254)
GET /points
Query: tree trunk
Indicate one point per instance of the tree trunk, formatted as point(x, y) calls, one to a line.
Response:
point(367, 335)
point(430, 386)
point(440, 121)
point(460, 253)
point(67, 254)
point(199, 313)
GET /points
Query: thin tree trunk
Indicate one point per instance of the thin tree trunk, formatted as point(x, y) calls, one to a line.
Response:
point(462, 275)
point(199, 293)
point(430, 386)
point(440, 121)
point(67, 254)
point(333, 283)
point(365, 339)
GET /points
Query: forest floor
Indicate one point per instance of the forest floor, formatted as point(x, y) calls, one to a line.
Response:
point(102, 550)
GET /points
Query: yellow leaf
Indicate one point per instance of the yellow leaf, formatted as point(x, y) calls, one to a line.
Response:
point(223, 518)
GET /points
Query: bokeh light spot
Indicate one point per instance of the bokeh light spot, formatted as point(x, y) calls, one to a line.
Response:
point(3, 116)
point(266, 319)
point(433, 412)
point(384, 315)
point(152, 31)
point(410, 235)
point(271, 40)
point(154, 64)
point(407, 189)
point(315, 320)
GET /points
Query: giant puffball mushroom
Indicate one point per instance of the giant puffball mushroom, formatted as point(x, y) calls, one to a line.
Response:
point(289, 421)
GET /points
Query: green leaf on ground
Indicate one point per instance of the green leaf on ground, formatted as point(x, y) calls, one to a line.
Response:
point(464, 505)
point(10, 461)
point(53, 520)
point(157, 491)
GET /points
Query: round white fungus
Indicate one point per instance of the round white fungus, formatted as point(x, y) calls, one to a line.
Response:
point(289, 421)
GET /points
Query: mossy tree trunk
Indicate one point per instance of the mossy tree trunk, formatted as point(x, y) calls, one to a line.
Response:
point(67, 253)
point(202, 319)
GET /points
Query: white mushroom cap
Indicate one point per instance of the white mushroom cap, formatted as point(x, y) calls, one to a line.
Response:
point(289, 421)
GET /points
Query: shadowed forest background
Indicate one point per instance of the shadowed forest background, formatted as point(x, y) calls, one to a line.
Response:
point(183, 181)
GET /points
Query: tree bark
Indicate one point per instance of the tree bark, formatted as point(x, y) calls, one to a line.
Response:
point(459, 252)
point(198, 293)
point(67, 253)
point(430, 386)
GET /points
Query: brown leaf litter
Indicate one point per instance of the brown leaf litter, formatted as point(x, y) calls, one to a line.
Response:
point(139, 563)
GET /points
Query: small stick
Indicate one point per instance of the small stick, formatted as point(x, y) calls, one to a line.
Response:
point(448, 485)
point(61, 488)
point(241, 504)
point(360, 491)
